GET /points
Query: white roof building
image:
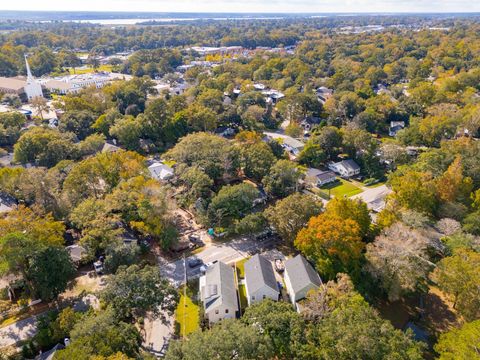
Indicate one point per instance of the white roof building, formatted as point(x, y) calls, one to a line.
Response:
point(161, 172)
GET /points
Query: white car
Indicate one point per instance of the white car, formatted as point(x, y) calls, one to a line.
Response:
point(204, 267)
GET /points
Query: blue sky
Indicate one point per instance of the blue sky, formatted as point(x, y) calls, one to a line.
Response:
point(247, 5)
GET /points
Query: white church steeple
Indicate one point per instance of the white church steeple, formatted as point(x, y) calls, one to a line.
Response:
point(33, 88)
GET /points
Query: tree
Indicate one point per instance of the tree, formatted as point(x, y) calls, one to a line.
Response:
point(120, 255)
point(354, 209)
point(197, 184)
point(44, 146)
point(224, 340)
point(280, 323)
point(291, 214)
point(460, 343)
point(333, 243)
point(128, 131)
point(282, 179)
point(77, 122)
point(231, 202)
point(50, 271)
point(399, 260)
point(452, 186)
point(257, 160)
point(134, 291)
point(251, 224)
point(40, 105)
point(312, 154)
point(101, 334)
point(12, 100)
point(458, 276)
point(216, 156)
point(351, 329)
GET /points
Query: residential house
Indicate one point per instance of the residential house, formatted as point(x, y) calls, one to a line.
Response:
point(300, 278)
point(161, 172)
point(260, 281)
point(315, 177)
point(218, 292)
point(7, 203)
point(345, 168)
point(290, 144)
point(50, 354)
point(77, 253)
point(323, 94)
point(395, 127)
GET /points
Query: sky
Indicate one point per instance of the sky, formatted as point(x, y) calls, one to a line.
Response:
point(273, 6)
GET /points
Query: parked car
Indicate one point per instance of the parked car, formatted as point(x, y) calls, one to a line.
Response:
point(195, 239)
point(194, 262)
point(98, 266)
point(204, 267)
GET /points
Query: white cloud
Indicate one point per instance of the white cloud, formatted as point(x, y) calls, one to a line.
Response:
point(247, 5)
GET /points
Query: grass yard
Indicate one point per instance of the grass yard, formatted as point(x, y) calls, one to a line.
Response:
point(342, 188)
point(241, 268)
point(187, 315)
point(242, 292)
point(88, 70)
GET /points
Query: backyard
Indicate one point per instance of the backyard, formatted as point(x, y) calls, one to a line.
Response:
point(187, 314)
point(341, 188)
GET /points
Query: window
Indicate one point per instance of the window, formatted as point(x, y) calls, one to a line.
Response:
point(216, 312)
point(226, 311)
point(264, 296)
point(253, 297)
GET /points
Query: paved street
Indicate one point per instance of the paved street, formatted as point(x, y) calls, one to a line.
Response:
point(229, 252)
point(21, 330)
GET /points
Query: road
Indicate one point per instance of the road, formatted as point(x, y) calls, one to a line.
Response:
point(229, 252)
point(21, 330)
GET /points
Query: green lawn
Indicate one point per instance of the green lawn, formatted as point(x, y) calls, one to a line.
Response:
point(342, 188)
point(241, 268)
point(88, 70)
point(242, 291)
point(187, 315)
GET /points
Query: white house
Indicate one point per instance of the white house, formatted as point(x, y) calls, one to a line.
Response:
point(260, 281)
point(345, 168)
point(161, 172)
point(315, 177)
point(218, 292)
point(300, 278)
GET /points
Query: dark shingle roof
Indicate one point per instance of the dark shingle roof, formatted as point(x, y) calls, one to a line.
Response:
point(301, 273)
point(259, 273)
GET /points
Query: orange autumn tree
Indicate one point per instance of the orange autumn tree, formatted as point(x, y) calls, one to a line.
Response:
point(335, 244)
point(452, 186)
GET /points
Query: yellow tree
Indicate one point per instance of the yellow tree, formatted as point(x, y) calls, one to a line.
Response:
point(335, 244)
point(452, 185)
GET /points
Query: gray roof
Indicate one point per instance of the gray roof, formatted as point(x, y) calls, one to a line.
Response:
point(259, 273)
point(219, 287)
point(349, 164)
point(325, 175)
point(48, 355)
point(301, 273)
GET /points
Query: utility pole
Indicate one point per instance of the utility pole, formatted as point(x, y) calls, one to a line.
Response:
point(184, 297)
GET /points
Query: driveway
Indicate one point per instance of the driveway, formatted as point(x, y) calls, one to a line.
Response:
point(21, 330)
point(157, 334)
point(229, 252)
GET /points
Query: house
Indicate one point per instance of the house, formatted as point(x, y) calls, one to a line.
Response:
point(395, 127)
point(7, 203)
point(345, 168)
point(260, 281)
point(323, 94)
point(50, 354)
point(77, 253)
point(300, 278)
point(315, 177)
point(290, 144)
point(218, 292)
point(160, 172)
point(110, 146)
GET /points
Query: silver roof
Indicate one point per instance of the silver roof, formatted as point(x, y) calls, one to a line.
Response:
point(219, 287)
point(301, 273)
point(259, 273)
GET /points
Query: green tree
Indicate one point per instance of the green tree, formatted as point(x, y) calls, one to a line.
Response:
point(49, 271)
point(458, 276)
point(77, 122)
point(291, 214)
point(257, 160)
point(220, 342)
point(282, 179)
point(460, 343)
point(128, 131)
point(134, 291)
point(231, 202)
point(251, 224)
